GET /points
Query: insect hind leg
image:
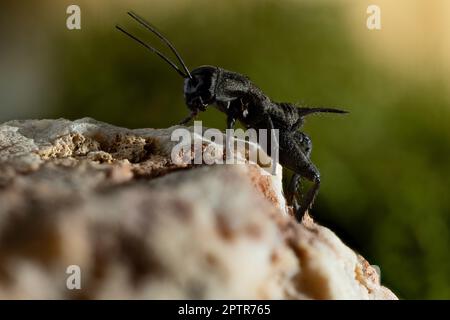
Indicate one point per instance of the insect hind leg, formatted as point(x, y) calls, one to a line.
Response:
point(294, 185)
point(311, 173)
point(295, 149)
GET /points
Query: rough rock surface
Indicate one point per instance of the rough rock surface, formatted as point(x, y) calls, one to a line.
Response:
point(111, 201)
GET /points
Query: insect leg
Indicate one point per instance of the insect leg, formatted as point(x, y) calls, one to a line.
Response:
point(310, 172)
point(186, 120)
point(231, 121)
point(272, 129)
point(294, 185)
point(274, 143)
point(310, 196)
point(294, 156)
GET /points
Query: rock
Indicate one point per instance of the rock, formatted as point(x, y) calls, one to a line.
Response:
point(111, 201)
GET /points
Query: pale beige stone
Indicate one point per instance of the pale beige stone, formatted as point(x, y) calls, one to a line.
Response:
point(111, 201)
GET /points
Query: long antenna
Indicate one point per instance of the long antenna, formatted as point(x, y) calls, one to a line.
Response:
point(166, 41)
point(181, 73)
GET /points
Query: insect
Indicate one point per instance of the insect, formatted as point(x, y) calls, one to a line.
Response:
point(236, 96)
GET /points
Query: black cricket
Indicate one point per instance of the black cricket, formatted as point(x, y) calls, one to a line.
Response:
point(236, 96)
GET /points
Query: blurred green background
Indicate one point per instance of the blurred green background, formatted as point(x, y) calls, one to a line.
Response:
point(385, 166)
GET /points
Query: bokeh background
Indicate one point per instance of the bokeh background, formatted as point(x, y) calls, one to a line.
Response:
point(385, 166)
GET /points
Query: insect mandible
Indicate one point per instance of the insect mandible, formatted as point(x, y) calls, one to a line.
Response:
point(236, 96)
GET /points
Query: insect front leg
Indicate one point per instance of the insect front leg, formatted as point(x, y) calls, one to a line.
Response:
point(191, 116)
point(231, 121)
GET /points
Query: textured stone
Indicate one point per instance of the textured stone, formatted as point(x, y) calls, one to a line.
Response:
point(111, 201)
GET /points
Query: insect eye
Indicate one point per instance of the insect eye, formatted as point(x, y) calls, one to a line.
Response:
point(195, 82)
